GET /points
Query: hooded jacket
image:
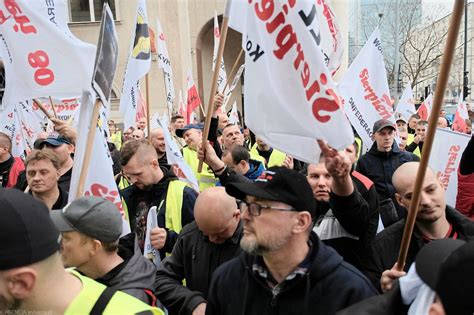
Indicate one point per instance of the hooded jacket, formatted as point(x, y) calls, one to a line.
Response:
point(135, 275)
point(329, 284)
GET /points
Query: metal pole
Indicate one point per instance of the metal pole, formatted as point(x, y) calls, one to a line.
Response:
point(397, 51)
point(465, 72)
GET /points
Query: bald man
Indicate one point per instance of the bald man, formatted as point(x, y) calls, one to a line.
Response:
point(157, 138)
point(201, 247)
point(435, 220)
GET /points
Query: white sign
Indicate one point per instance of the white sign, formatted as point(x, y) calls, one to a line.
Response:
point(222, 78)
point(406, 105)
point(164, 62)
point(148, 251)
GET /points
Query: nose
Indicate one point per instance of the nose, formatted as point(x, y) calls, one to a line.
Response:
point(424, 199)
point(245, 215)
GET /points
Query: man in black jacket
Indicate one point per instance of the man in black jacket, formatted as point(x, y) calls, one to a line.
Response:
point(435, 220)
point(285, 269)
point(202, 246)
point(379, 164)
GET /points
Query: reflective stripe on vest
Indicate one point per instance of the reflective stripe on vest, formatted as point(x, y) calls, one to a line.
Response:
point(174, 203)
point(206, 178)
point(276, 158)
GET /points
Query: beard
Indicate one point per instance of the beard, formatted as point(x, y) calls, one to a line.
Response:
point(252, 246)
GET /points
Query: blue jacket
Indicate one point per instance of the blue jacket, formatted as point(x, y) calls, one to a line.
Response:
point(380, 166)
point(329, 284)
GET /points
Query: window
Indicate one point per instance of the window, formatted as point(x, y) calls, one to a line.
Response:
point(89, 10)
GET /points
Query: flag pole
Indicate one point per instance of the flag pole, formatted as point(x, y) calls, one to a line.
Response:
point(166, 92)
point(433, 119)
point(88, 153)
point(220, 52)
point(147, 93)
point(41, 107)
point(52, 106)
point(233, 72)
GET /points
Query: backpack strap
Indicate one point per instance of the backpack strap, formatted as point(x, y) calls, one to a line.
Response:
point(103, 300)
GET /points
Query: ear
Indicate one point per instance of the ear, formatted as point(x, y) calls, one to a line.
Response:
point(155, 164)
point(436, 309)
point(303, 221)
point(21, 282)
point(237, 215)
point(243, 164)
point(399, 199)
point(96, 245)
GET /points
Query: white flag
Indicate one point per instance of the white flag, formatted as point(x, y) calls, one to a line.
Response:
point(446, 153)
point(182, 108)
point(460, 116)
point(365, 91)
point(291, 99)
point(164, 62)
point(138, 65)
point(148, 251)
point(100, 180)
point(406, 105)
point(175, 158)
point(10, 125)
point(234, 115)
point(41, 58)
point(230, 89)
point(222, 78)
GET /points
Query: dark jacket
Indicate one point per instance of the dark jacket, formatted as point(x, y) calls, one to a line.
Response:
point(135, 274)
point(194, 258)
point(328, 285)
point(380, 166)
point(140, 201)
point(385, 248)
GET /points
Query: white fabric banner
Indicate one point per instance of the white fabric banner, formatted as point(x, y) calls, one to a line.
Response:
point(460, 116)
point(234, 115)
point(231, 87)
point(182, 170)
point(222, 79)
point(406, 104)
point(100, 177)
point(66, 109)
point(138, 65)
point(151, 223)
point(364, 89)
point(448, 147)
point(182, 108)
point(41, 56)
point(290, 117)
point(164, 62)
point(10, 125)
point(425, 108)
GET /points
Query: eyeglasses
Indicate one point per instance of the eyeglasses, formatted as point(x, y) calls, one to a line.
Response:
point(255, 209)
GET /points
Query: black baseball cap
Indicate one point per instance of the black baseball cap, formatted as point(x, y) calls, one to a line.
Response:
point(180, 132)
point(93, 216)
point(27, 234)
point(382, 123)
point(55, 141)
point(278, 184)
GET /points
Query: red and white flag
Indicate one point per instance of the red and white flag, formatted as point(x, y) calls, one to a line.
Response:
point(406, 105)
point(222, 78)
point(141, 110)
point(290, 117)
point(193, 100)
point(138, 65)
point(459, 122)
point(364, 89)
point(41, 56)
point(164, 63)
point(425, 108)
point(182, 106)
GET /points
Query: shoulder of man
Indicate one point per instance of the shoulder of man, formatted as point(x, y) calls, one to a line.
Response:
point(460, 222)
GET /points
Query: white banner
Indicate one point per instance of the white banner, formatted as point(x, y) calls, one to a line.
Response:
point(446, 153)
point(182, 170)
point(234, 115)
point(148, 251)
point(231, 87)
point(10, 125)
point(290, 117)
point(41, 58)
point(138, 65)
point(365, 91)
point(66, 109)
point(406, 104)
point(100, 177)
point(164, 62)
point(222, 79)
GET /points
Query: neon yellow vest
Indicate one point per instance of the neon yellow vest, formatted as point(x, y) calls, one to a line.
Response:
point(359, 144)
point(116, 139)
point(121, 303)
point(174, 203)
point(276, 158)
point(206, 178)
point(410, 139)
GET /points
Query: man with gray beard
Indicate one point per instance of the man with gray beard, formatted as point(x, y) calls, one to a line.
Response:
point(285, 268)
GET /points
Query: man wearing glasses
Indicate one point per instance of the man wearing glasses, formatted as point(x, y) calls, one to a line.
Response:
point(285, 268)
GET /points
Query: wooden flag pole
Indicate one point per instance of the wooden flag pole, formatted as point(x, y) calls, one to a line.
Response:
point(220, 52)
point(166, 93)
point(41, 107)
point(233, 72)
point(433, 119)
point(88, 153)
point(147, 93)
point(52, 106)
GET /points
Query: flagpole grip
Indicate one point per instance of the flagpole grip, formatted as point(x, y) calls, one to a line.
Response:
point(41, 107)
point(210, 106)
point(88, 152)
point(433, 119)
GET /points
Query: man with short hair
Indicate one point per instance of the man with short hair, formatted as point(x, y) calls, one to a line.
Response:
point(379, 164)
point(442, 123)
point(97, 252)
point(42, 175)
point(142, 125)
point(412, 123)
point(32, 276)
point(127, 134)
point(416, 146)
point(202, 246)
point(285, 268)
point(138, 134)
point(157, 139)
point(173, 199)
point(10, 167)
point(223, 120)
point(237, 159)
point(435, 220)
point(177, 122)
point(403, 135)
point(272, 156)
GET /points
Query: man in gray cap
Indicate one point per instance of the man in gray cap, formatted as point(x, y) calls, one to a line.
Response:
point(91, 228)
point(379, 164)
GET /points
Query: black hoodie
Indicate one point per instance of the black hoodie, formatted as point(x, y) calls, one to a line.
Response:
point(329, 285)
